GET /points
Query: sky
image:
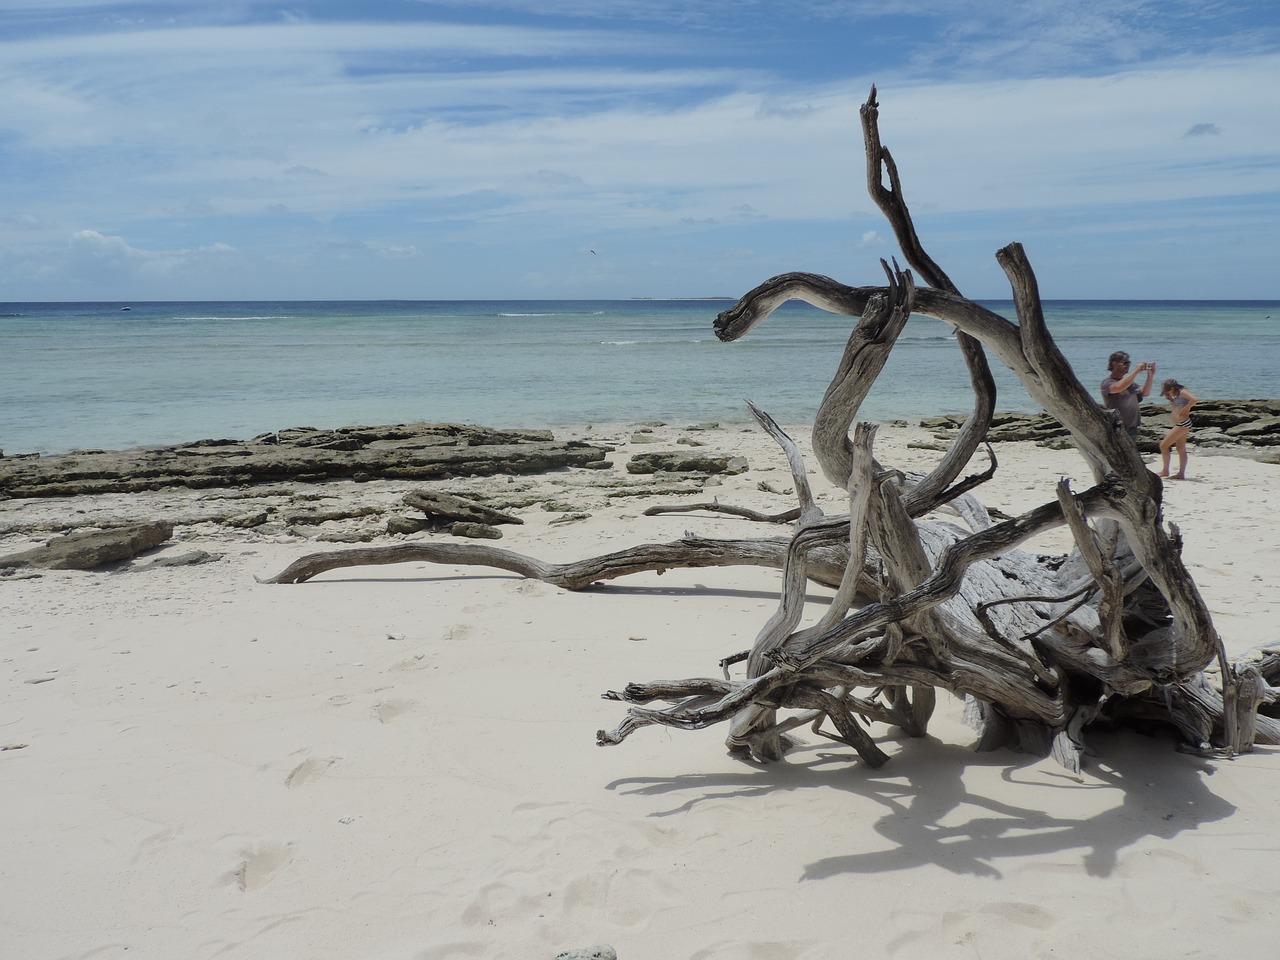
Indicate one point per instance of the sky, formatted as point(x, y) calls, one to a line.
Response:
point(519, 149)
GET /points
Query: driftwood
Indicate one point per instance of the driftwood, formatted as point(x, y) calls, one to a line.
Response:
point(690, 552)
point(931, 594)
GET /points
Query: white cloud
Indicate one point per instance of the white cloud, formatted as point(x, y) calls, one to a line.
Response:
point(397, 251)
point(187, 48)
point(112, 258)
point(421, 134)
point(96, 246)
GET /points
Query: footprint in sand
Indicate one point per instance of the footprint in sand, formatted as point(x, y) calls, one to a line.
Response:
point(624, 898)
point(151, 845)
point(528, 588)
point(262, 863)
point(502, 900)
point(388, 710)
point(308, 770)
point(1025, 914)
point(418, 661)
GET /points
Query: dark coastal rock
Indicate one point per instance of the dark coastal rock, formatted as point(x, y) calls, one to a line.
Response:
point(316, 517)
point(665, 486)
point(406, 525)
point(90, 549)
point(442, 507)
point(192, 559)
point(1255, 431)
point(304, 455)
point(246, 521)
point(1246, 424)
point(346, 536)
point(680, 462)
point(476, 531)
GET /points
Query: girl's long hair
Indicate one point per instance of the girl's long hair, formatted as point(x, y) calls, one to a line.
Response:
point(1171, 385)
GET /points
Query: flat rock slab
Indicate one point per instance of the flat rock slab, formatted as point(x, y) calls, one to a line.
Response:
point(192, 559)
point(686, 462)
point(475, 531)
point(87, 550)
point(403, 451)
point(443, 507)
point(1247, 423)
point(1262, 427)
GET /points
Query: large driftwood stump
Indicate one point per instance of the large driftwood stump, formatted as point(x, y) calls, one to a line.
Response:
point(1040, 648)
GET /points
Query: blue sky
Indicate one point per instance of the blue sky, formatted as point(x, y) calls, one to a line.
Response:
point(212, 149)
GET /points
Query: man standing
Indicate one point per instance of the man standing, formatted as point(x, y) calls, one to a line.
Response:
point(1120, 393)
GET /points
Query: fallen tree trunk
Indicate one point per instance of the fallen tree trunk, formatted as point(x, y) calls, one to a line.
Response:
point(690, 552)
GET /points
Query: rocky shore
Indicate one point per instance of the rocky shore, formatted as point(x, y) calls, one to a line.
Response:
point(301, 455)
point(358, 484)
point(1240, 428)
point(340, 486)
point(433, 451)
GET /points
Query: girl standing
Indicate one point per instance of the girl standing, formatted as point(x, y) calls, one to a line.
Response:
point(1181, 400)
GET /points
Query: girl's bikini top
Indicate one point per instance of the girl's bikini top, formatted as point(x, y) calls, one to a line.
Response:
point(1179, 401)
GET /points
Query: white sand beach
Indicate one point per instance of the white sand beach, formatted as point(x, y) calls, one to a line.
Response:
point(399, 762)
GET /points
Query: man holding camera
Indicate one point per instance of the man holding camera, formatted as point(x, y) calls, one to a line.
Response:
point(1122, 394)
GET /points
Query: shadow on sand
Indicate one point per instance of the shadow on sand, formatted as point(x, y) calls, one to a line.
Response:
point(932, 817)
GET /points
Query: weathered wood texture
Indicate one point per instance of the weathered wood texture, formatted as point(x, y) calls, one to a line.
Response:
point(1041, 652)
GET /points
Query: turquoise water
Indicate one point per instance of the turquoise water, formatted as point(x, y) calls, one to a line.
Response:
point(86, 375)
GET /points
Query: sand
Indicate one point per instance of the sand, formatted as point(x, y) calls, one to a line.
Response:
point(399, 762)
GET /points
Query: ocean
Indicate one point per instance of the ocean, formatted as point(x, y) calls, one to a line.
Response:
point(99, 376)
